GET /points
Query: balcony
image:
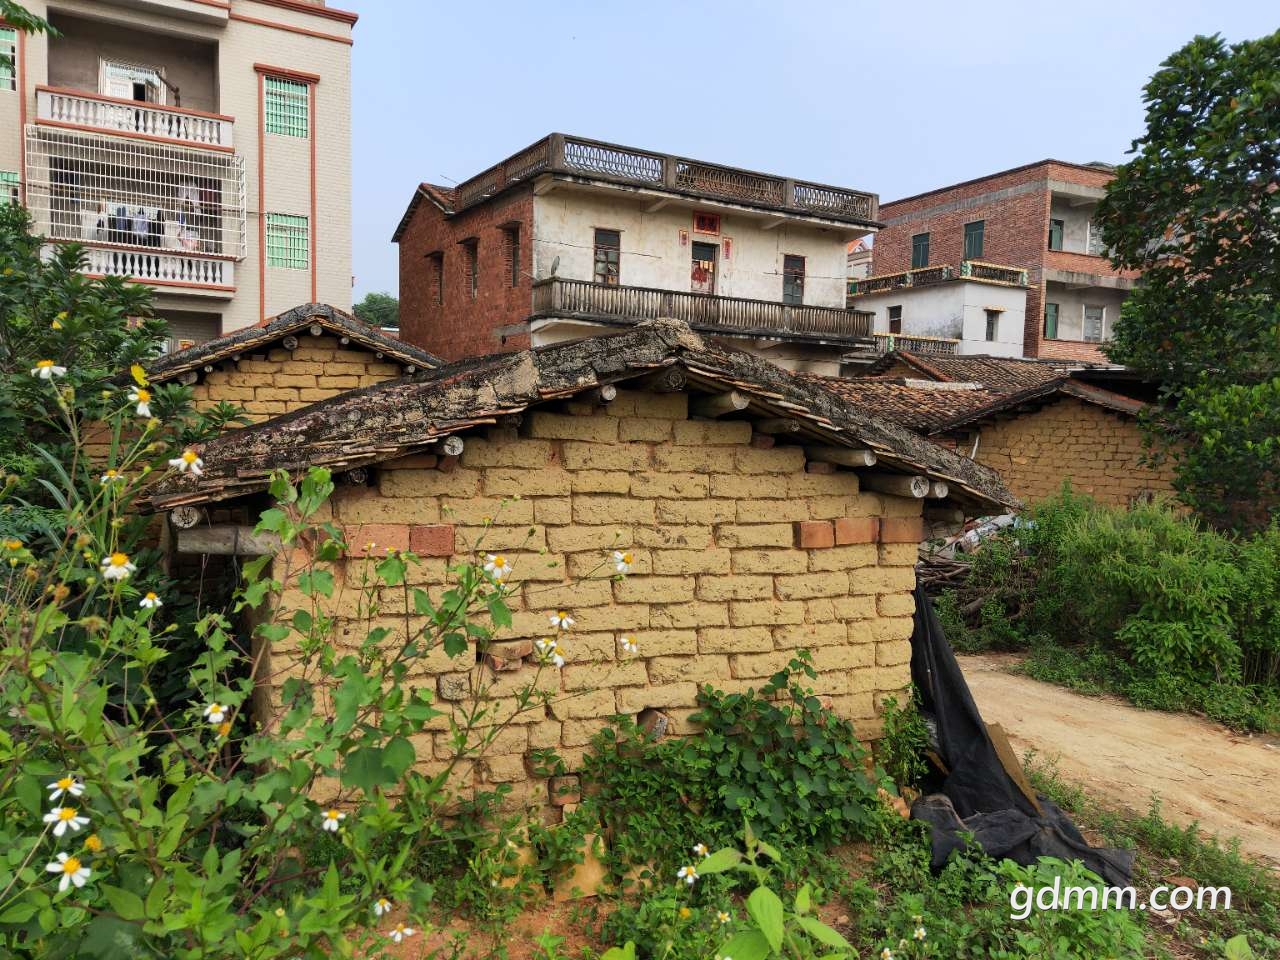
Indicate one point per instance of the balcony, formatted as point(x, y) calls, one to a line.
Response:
point(938, 346)
point(978, 270)
point(211, 275)
point(77, 110)
point(580, 299)
point(597, 161)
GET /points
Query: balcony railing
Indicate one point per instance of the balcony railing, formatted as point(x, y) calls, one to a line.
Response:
point(939, 346)
point(576, 156)
point(969, 270)
point(158, 269)
point(90, 111)
point(557, 297)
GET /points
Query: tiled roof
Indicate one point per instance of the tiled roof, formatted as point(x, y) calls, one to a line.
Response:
point(251, 339)
point(1002, 374)
point(1044, 393)
point(917, 407)
point(442, 197)
point(399, 417)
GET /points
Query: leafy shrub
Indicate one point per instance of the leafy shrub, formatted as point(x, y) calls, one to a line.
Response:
point(901, 747)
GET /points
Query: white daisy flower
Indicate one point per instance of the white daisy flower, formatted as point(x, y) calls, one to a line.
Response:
point(381, 906)
point(561, 620)
point(401, 932)
point(150, 601)
point(700, 850)
point(72, 870)
point(549, 651)
point(118, 566)
point(497, 566)
point(112, 476)
point(142, 397)
point(687, 874)
point(67, 785)
point(332, 820)
point(919, 934)
point(622, 561)
point(64, 819)
point(724, 917)
point(216, 712)
point(47, 370)
point(886, 954)
point(628, 644)
point(189, 461)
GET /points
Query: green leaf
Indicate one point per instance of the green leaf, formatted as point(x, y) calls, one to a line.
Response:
point(822, 933)
point(1238, 948)
point(765, 908)
point(803, 899)
point(127, 905)
point(20, 911)
point(455, 644)
point(748, 945)
point(720, 861)
point(627, 952)
point(398, 755)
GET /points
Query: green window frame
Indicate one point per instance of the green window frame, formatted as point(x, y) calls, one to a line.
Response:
point(973, 239)
point(1055, 234)
point(288, 107)
point(9, 186)
point(919, 251)
point(8, 58)
point(1051, 321)
point(288, 241)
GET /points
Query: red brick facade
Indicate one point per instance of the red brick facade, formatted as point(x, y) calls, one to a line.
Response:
point(1015, 206)
point(444, 317)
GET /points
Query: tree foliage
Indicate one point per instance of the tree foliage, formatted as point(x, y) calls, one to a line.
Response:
point(379, 310)
point(1198, 212)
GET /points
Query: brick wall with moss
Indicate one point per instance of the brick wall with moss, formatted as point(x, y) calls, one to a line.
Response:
point(742, 555)
point(280, 381)
point(1100, 452)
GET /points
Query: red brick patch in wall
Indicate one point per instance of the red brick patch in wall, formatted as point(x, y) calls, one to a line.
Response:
point(857, 530)
point(901, 530)
point(815, 534)
point(431, 540)
point(375, 539)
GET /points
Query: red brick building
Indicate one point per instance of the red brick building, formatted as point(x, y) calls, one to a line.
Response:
point(572, 237)
point(1037, 218)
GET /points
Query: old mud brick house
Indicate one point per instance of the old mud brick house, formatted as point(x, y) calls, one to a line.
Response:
point(727, 479)
point(1036, 423)
point(310, 353)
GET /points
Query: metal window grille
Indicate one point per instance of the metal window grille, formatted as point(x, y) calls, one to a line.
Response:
point(973, 239)
point(792, 279)
point(608, 254)
point(8, 58)
point(120, 192)
point(288, 241)
point(9, 184)
point(919, 251)
point(133, 81)
point(288, 103)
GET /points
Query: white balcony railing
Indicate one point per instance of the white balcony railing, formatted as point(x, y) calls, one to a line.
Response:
point(210, 274)
point(940, 346)
point(79, 110)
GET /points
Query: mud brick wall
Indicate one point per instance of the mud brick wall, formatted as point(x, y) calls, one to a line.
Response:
point(1100, 452)
point(741, 558)
point(279, 381)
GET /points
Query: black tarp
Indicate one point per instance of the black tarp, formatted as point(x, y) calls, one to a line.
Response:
point(977, 795)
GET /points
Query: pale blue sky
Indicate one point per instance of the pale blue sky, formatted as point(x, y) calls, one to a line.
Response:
point(895, 98)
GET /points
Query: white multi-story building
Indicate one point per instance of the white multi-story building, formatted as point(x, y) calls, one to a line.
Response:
point(202, 147)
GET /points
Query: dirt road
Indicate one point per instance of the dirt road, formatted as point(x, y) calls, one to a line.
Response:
point(1122, 755)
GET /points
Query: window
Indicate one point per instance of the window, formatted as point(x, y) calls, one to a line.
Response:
point(1095, 247)
point(1095, 323)
point(919, 251)
point(608, 256)
point(1055, 234)
point(511, 252)
point(1051, 321)
point(973, 239)
point(287, 106)
point(435, 277)
point(993, 325)
point(471, 251)
point(792, 279)
point(895, 319)
point(132, 81)
point(8, 186)
point(288, 241)
point(8, 58)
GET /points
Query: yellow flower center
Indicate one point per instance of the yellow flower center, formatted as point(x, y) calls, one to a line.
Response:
point(332, 815)
point(93, 843)
point(224, 728)
point(151, 596)
point(685, 911)
point(189, 456)
point(111, 474)
point(499, 562)
point(119, 559)
point(626, 558)
point(144, 396)
point(70, 865)
point(67, 813)
point(215, 708)
point(13, 544)
point(44, 364)
point(66, 783)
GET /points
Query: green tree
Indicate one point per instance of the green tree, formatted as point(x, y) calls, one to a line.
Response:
point(379, 310)
point(1197, 210)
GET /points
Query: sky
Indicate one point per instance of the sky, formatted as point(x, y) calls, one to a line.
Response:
point(890, 97)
